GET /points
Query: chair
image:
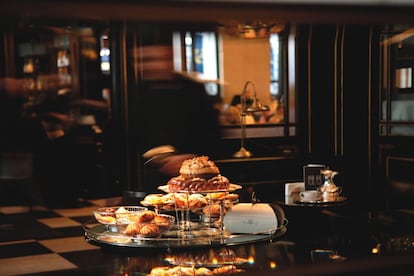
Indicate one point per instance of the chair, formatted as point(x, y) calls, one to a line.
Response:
point(399, 192)
point(16, 166)
point(17, 179)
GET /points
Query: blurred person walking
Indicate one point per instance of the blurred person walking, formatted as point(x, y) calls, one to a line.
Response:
point(176, 115)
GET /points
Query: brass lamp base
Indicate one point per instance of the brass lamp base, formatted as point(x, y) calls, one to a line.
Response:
point(242, 153)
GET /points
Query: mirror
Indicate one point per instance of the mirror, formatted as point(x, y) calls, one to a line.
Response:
point(69, 78)
point(241, 58)
point(58, 64)
point(228, 57)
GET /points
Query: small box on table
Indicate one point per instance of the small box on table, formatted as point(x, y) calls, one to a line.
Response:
point(312, 176)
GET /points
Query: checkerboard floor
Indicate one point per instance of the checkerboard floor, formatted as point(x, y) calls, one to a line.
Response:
point(40, 240)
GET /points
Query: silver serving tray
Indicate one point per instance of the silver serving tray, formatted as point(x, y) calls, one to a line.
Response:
point(338, 200)
point(102, 235)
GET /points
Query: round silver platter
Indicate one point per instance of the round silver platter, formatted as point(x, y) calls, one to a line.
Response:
point(198, 236)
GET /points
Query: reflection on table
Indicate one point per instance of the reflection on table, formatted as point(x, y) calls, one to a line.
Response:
point(318, 241)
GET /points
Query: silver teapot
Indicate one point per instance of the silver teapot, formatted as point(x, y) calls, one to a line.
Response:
point(329, 191)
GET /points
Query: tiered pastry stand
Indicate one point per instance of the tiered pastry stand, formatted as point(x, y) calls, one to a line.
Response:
point(185, 233)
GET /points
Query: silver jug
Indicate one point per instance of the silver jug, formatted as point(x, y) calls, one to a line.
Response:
point(330, 192)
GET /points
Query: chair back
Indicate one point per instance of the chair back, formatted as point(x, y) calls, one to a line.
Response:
point(16, 165)
point(399, 192)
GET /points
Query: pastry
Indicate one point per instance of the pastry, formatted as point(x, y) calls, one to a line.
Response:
point(168, 201)
point(146, 216)
point(131, 229)
point(180, 183)
point(181, 200)
point(199, 167)
point(161, 221)
point(149, 230)
point(153, 199)
point(123, 216)
point(215, 196)
point(105, 219)
point(232, 197)
point(196, 201)
point(212, 210)
point(198, 174)
point(150, 225)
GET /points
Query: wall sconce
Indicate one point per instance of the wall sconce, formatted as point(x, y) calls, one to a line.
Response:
point(256, 106)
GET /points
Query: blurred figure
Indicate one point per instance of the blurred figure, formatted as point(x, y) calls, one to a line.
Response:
point(177, 118)
point(20, 131)
point(21, 134)
point(233, 111)
point(274, 115)
point(236, 100)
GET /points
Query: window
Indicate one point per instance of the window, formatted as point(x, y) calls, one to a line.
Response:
point(200, 58)
point(274, 64)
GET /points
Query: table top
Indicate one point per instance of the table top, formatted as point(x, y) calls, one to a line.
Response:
point(315, 243)
point(295, 200)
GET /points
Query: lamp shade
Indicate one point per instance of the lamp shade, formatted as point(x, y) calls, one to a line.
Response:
point(256, 106)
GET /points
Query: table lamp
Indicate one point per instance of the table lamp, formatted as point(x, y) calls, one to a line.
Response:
point(256, 106)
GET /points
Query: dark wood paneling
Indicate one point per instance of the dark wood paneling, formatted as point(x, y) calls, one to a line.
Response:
point(321, 92)
point(339, 112)
point(266, 176)
point(354, 98)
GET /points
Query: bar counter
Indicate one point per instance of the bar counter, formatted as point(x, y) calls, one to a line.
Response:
point(331, 239)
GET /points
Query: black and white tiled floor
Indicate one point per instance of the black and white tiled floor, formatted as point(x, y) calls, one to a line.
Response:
point(46, 240)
